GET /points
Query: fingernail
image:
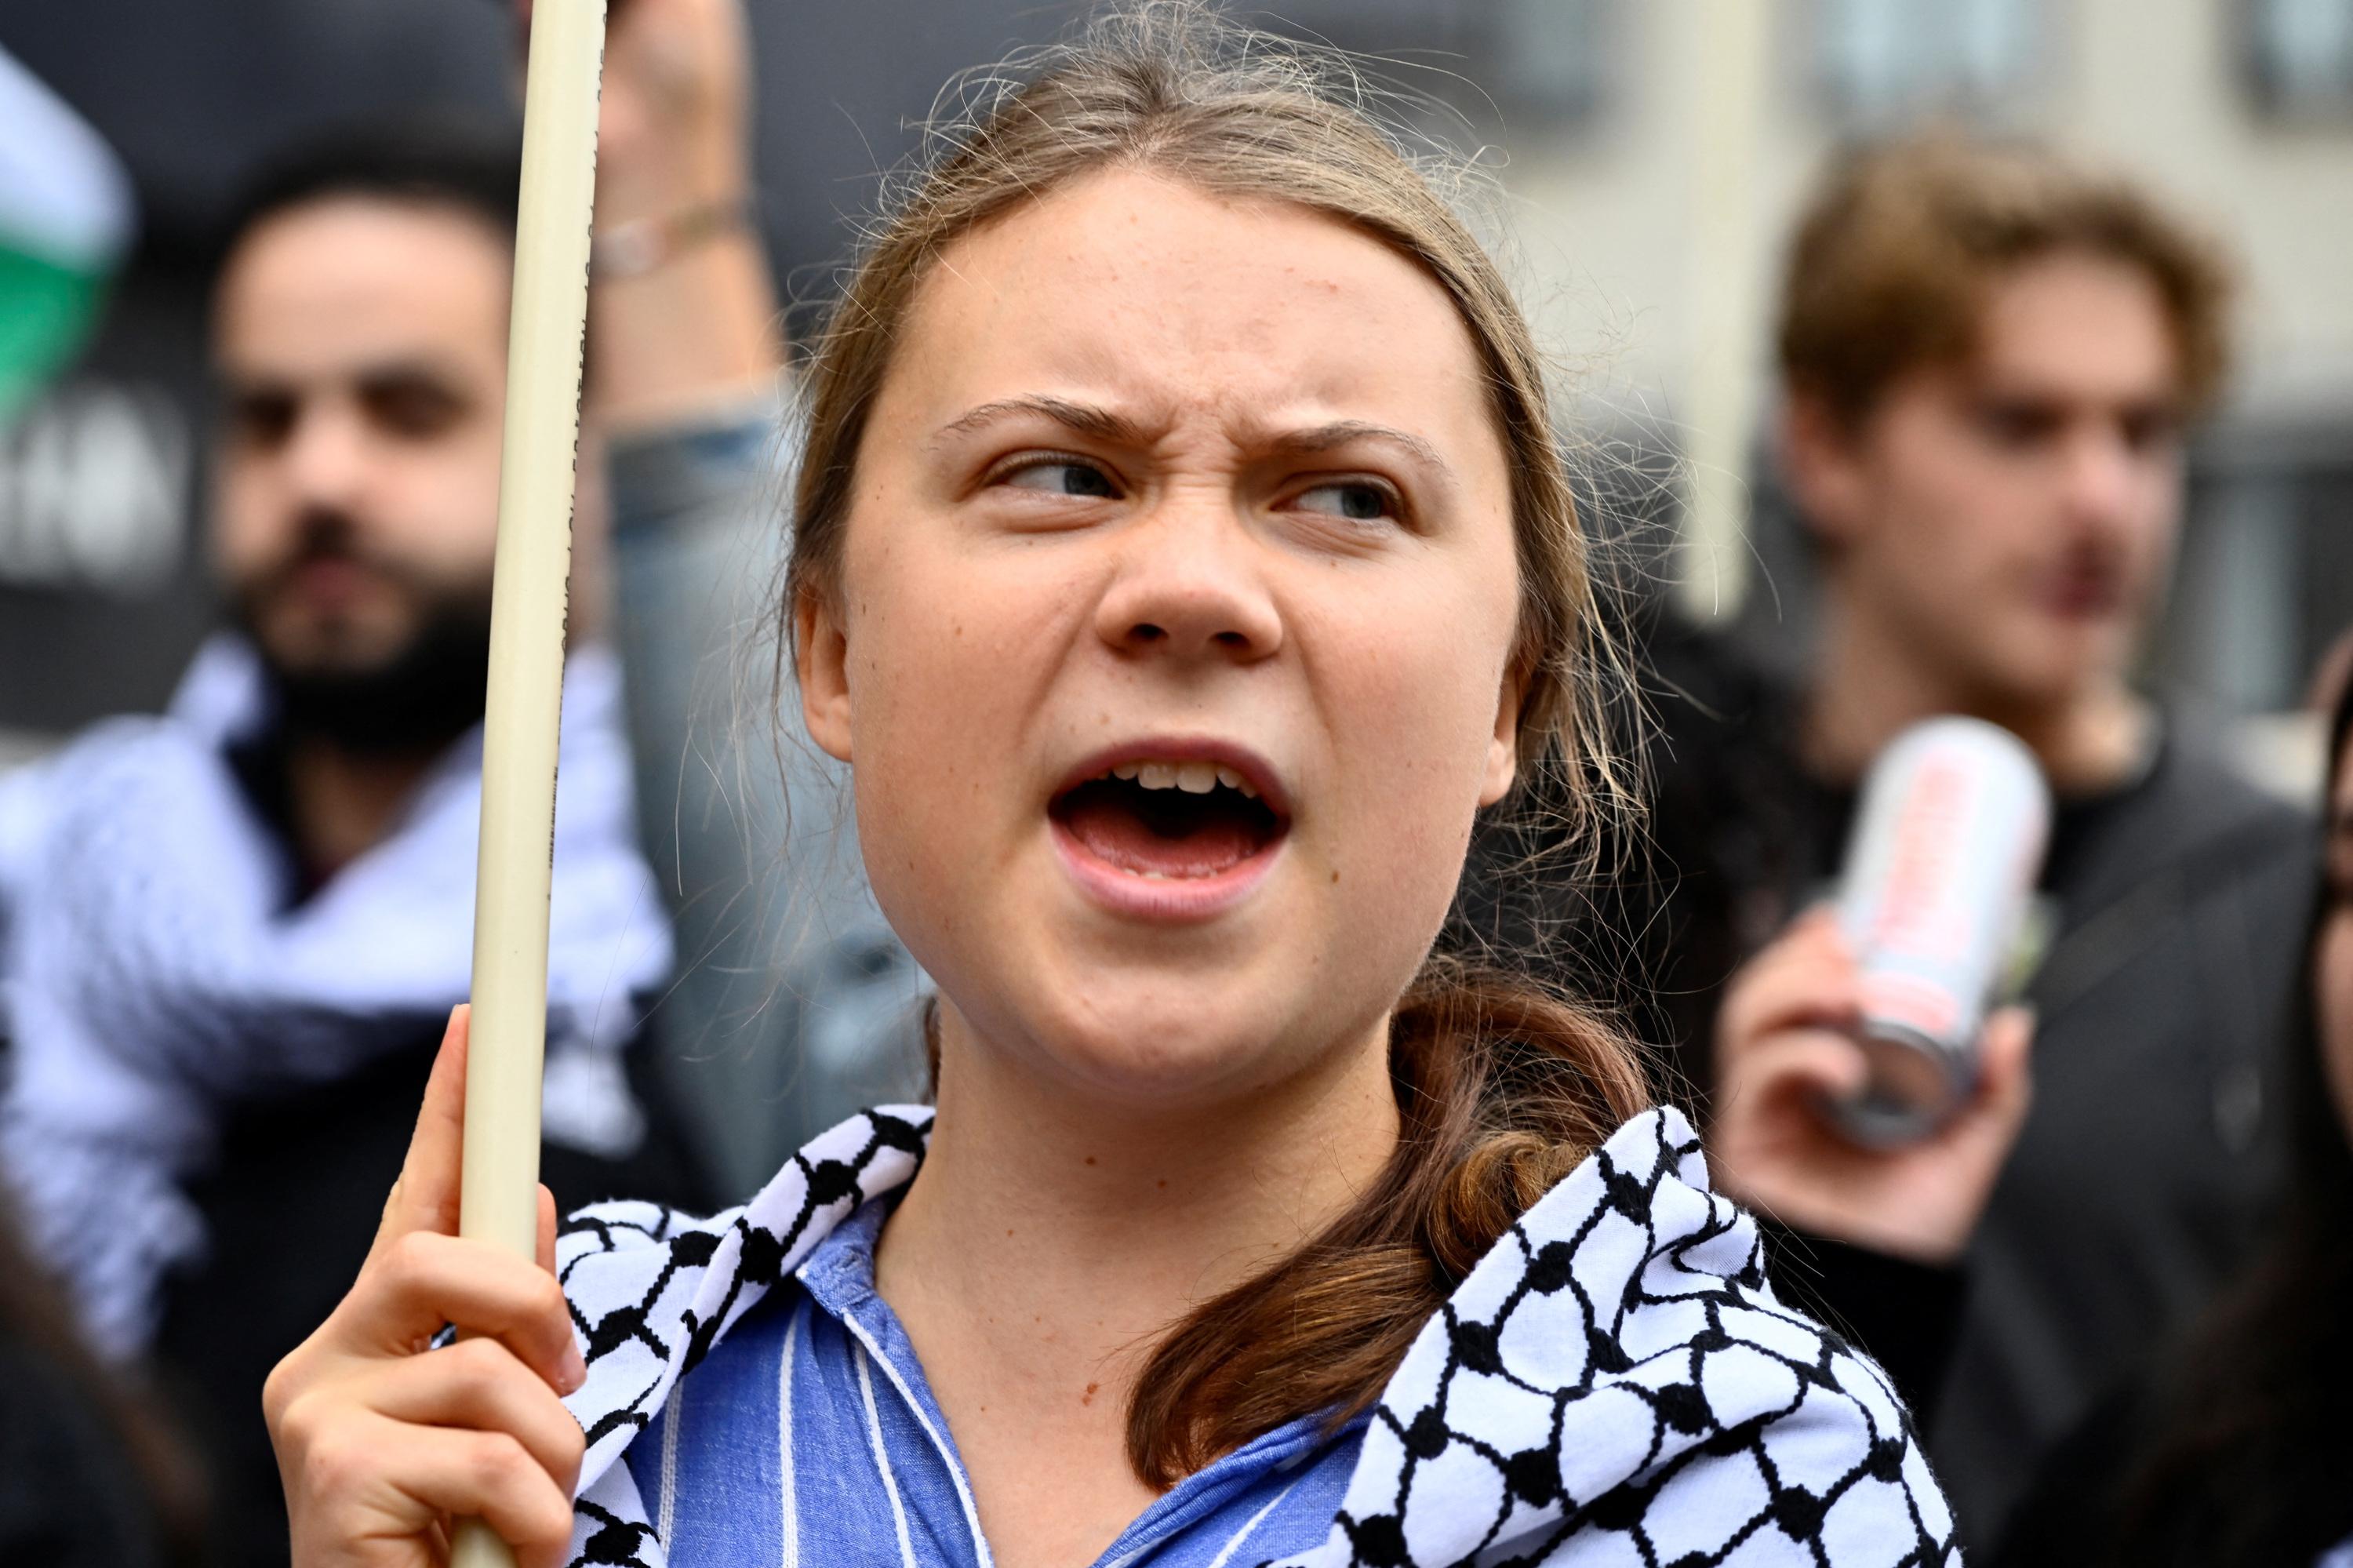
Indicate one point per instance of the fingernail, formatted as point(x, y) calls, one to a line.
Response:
point(573, 1372)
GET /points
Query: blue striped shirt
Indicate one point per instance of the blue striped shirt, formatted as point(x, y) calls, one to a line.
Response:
point(811, 1434)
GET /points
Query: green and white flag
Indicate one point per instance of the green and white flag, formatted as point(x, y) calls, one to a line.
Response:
point(65, 219)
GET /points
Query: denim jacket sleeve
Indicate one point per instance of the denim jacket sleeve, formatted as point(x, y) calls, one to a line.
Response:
point(795, 1004)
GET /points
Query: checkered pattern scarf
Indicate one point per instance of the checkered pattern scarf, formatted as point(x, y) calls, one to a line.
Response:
point(1614, 1384)
point(155, 975)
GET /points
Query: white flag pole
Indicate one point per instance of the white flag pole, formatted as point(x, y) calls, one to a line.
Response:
point(498, 1200)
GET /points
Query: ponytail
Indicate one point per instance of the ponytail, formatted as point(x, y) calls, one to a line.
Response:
point(1502, 1090)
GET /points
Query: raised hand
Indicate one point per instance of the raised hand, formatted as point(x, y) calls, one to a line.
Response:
point(1784, 1046)
point(683, 314)
point(673, 127)
point(381, 1440)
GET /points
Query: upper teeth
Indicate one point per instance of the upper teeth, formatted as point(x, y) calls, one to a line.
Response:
point(1193, 777)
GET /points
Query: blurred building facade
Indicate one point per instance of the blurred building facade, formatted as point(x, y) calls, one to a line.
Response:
point(1650, 221)
point(1650, 157)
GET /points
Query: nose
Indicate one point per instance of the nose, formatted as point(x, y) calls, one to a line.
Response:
point(1190, 585)
point(325, 456)
point(2104, 478)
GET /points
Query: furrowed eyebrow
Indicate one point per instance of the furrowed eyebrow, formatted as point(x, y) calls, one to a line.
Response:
point(1106, 426)
point(1341, 432)
point(1100, 423)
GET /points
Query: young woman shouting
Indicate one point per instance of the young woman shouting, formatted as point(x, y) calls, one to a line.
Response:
point(1182, 560)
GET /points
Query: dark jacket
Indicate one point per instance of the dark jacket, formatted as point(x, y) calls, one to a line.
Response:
point(2144, 1170)
point(2096, 1504)
point(89, 1476)
point(291, 1210)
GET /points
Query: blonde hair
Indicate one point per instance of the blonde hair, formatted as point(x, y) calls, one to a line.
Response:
point(1502, 1086)
point(1171, 89)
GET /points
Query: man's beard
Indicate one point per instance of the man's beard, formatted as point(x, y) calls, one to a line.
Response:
point(416, 699)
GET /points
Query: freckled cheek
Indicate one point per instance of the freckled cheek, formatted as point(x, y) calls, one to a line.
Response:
point(914, 740)
point(935, 722)
point(1410, 719)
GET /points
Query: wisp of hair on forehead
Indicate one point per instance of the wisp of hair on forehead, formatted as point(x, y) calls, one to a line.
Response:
point(1503, 1087)
point(1172, 90)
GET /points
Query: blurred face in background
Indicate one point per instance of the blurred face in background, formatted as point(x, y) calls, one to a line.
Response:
point(2012, 517)
point(360, 343)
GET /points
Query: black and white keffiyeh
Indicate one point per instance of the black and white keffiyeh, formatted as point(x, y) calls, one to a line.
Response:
point(1614, 1384)
point(154, 973)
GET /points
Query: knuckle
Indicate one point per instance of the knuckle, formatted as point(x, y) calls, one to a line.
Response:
point(408, 1260)
point(280, 1388)
point(296, 1422)
point(332, 1464)
point(479, 1354)
point(547, 1301)
point(475, 1367)
point(550, 1526)
point(571, 1446)
point(500, 1463)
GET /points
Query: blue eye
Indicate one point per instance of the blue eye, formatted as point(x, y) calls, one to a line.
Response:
point(1356, 501)
point(1065, 478)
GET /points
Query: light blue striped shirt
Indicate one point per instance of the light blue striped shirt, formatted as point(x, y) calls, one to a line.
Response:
point(811, 1436)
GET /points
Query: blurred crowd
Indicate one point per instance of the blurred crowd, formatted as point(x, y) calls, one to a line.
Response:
point(230, 933)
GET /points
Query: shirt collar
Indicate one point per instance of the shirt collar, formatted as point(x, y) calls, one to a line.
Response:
point(839, 1274)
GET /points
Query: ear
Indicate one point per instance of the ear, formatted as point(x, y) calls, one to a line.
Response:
point(1504, 745)
point(821, 652)
point(1822, 461)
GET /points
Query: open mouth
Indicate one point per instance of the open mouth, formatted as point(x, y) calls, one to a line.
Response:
point(1170, 819)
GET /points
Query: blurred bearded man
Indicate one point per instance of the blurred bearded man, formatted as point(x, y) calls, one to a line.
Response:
point(235, 932)
point(360, 342)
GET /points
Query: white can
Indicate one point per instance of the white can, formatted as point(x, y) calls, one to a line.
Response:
point(1947, 844)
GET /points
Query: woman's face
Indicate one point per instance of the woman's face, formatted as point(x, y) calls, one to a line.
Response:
point(2332, 965)
point(1172, 647)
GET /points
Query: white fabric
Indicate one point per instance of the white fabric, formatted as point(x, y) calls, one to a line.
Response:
point(63, 195)
point(155, 975)
point(1615, 1384)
